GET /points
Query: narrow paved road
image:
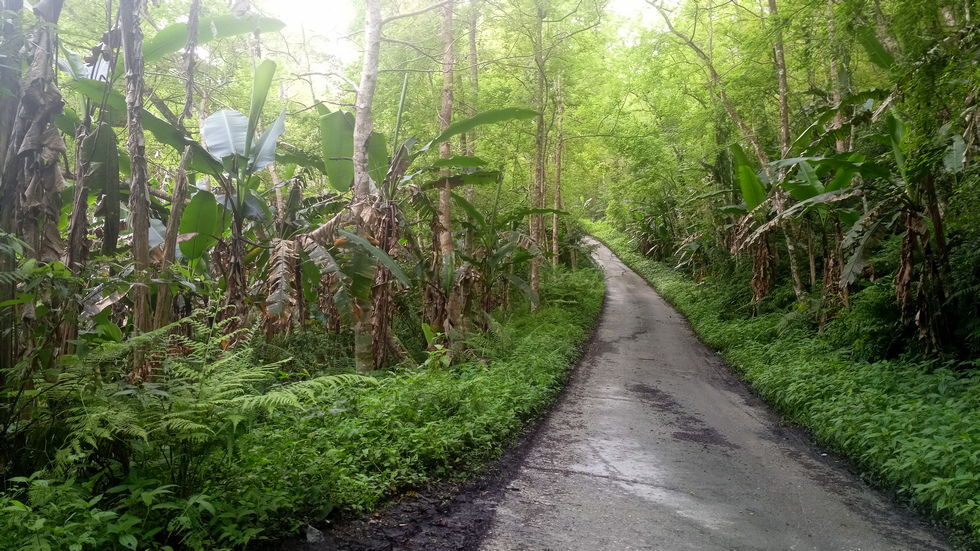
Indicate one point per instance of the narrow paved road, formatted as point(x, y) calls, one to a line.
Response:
point(656, 445)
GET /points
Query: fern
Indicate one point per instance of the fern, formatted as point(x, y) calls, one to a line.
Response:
point(188, 417)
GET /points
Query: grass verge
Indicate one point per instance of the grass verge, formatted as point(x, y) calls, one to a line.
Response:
point(909, 426)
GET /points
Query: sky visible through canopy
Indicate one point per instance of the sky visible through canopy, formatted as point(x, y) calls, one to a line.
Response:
point(331, 18)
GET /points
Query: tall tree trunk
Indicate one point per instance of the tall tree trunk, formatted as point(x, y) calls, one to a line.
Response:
point(30, 177)
point(164, 297)
point(559, 145)
point(842, 143)
point(363, 118)
point(364, 356)
point(540, 152)
point(791, 229)
point(471, 109)
point(454, 304)
point(190, 58)
point(139, 195)
point(77, 251)
point(445, 119)
point(366, 213)
point(833, 254)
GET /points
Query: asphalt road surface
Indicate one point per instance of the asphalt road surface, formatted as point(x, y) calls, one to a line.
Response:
point(657, 445)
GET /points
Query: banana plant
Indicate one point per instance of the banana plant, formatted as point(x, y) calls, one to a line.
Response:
point(914, 198)
point(498, 249)
point(394, 185)
point(230, 137)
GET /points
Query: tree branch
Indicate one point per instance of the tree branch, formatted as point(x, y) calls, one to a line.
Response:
point(387, 20)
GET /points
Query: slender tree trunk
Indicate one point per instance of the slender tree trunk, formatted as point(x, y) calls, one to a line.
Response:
point(559, 146)
point(881, 25)
point(363, 118)
point(164, 296)
point(190, 58)
point(791, 229)
point(833, 254)
point(139, 195)
point(453, 306)
point(77, 252)
point(364, 357)
point(468, 144)
point(540, 153)
point(472, 107)
point(780, 57)
point(842, 143)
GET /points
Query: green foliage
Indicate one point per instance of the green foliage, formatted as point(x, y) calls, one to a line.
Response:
point(216, 451)
point(143, 464)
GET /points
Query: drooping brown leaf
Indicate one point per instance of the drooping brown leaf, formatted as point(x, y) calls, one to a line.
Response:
point(282, 259)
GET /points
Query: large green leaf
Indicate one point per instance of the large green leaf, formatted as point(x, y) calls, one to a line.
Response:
point(896, 135)
point(311, 278)
point(288, 154)
point(866, 233)
point(523, 286)
point(845, 174)
point(360, 270)
point(208, 219)
point(252, 207)
point(163, 131)
point(73, 64)
point(471, 211)
point(487, 117)
point(337, 138)
point(261, 84)
point(955, 158)
point(806, 185)
point(378, 254)
point(753, 192)
point(838, 162)
point(264, 152)
point(68, 121)
point(377, 157)
point(741, 159)
point(460, 161)
point(225, 133)
point(876, 52)
point(173, 38)
point(101, 150)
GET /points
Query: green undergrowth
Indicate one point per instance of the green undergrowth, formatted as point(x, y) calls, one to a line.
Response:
point(912, 427)
point(221, 451)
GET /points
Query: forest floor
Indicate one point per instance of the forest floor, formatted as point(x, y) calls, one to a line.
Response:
point(655, 444)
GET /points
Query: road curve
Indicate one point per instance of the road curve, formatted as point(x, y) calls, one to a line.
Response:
point(656, 445)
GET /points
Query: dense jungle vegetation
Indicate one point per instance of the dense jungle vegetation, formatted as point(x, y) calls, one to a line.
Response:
point(248, 281)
